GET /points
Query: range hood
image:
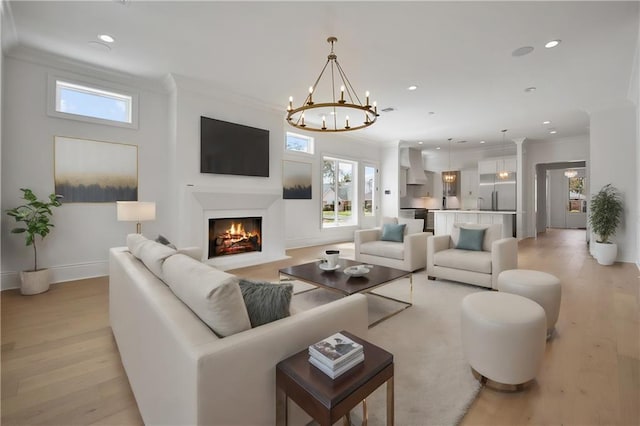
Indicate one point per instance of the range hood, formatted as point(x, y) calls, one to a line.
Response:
point(415, 173)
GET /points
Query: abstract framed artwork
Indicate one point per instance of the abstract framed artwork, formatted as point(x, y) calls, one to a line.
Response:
point(87, 171)
point(296, 180)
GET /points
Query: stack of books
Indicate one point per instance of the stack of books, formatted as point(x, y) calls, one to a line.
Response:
point(336, 355)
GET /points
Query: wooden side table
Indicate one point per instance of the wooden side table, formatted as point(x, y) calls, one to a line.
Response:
point(326, 399)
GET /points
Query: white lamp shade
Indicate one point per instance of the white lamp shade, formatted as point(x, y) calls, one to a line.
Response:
point(136, 211)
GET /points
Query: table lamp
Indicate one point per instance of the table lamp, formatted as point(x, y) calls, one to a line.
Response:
point(136, 211)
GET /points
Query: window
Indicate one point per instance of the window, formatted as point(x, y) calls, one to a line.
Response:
point(338, 189)
point(88, 102)
point(577, 199)
point(299, 143)
point(369, 190)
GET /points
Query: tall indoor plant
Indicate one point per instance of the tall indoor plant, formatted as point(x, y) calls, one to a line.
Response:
point(605, 213)
point(35, 218)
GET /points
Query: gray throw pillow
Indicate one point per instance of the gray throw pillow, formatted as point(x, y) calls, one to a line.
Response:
point(162, 240)
point(266, 302)
point(470, 239)
point(392, 232)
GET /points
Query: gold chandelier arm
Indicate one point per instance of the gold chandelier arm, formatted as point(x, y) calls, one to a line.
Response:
point(347, 84)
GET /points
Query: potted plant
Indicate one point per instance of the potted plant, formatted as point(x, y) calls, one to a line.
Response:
point(604, 217)
point(35, 216)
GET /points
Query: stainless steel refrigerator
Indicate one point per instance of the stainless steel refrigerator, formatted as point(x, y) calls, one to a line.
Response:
point(497, 194)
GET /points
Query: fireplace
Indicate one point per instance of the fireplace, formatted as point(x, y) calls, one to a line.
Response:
point(234, 236)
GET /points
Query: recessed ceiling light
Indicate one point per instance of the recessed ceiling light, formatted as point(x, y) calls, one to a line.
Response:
point(106, 38)
point(437, 147)
point(530, 89)
point(552, 43)
point(420, 143)
point(546, 122)
point(412, 87)
point(521, 51)
point(553, 132)
point(431, 112)
point(481, 141)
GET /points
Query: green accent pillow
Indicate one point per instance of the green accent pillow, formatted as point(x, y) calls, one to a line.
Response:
point(471, 239)
point(393, 232)
point(265, 301)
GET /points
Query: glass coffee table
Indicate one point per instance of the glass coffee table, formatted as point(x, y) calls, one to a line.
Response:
point(339, 282)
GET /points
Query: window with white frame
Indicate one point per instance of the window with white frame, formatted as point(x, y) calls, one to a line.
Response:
point(86, 102)
point(299, 143)
point(338, 192)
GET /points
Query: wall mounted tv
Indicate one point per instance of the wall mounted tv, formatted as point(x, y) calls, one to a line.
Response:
point(233, 149)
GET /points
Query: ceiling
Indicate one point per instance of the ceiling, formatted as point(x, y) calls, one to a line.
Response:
point(459, 54)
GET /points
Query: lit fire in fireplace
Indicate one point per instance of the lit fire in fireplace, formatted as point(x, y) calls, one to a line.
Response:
point(234, 236)
point(237, 234)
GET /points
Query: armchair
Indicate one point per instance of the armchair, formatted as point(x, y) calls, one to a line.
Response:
point(480, 268)
point(408, 255)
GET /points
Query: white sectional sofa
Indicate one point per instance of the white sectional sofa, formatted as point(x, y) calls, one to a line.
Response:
point(180, 371)
point(480, 267)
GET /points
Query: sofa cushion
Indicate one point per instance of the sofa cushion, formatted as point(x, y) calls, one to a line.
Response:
point(491, 233)
point(470, 239)
point(265, 301)
point(413, 225)
point(133, 243)
point(392, 232)
point(388, 249)
point(474, 261)
point(213, 295)
point(387, 219)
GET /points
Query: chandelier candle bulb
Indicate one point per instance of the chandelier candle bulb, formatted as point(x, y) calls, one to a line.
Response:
point(375, 107)
point(310, 95)
point(367, 95)
point(302, 123)
point(324, 122)
point(347, 126)
point(290, 107)
point(342, 94)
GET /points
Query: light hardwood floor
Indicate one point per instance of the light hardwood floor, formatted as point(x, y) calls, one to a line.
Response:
point(60, 364)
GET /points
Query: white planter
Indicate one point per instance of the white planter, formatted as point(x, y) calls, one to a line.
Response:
point(34, 282)
point(606, 253)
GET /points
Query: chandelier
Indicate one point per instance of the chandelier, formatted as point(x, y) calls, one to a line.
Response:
point(503, 174)
point(334, 111)
point(570, 173)
point(449, 176)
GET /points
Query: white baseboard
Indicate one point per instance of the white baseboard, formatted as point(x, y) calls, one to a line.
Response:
point(318, 241)
point(62, 273)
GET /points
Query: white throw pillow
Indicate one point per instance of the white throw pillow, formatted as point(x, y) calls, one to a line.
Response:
point(213, 295)
point(133, 243)
point(153, 255)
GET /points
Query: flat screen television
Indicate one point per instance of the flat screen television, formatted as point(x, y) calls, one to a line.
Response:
point(233, 149)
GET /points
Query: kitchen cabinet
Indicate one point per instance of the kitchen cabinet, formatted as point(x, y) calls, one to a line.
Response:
point(402, 185)
point(469, 183)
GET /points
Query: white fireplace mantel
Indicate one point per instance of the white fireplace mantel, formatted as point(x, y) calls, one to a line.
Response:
point(212, 198)
point(203, 203)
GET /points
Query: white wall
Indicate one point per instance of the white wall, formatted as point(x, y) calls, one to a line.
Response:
point(613, 160)
point(390, 176)
point(303, 217)
point(78, 245)
point(575, 148)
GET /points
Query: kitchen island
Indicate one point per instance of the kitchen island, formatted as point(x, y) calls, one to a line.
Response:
point(444, 220)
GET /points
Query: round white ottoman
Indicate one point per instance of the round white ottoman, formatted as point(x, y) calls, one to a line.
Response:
point(538, 286)
point(503, 338)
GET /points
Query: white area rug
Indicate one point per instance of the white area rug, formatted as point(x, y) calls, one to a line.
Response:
point(433, 382)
